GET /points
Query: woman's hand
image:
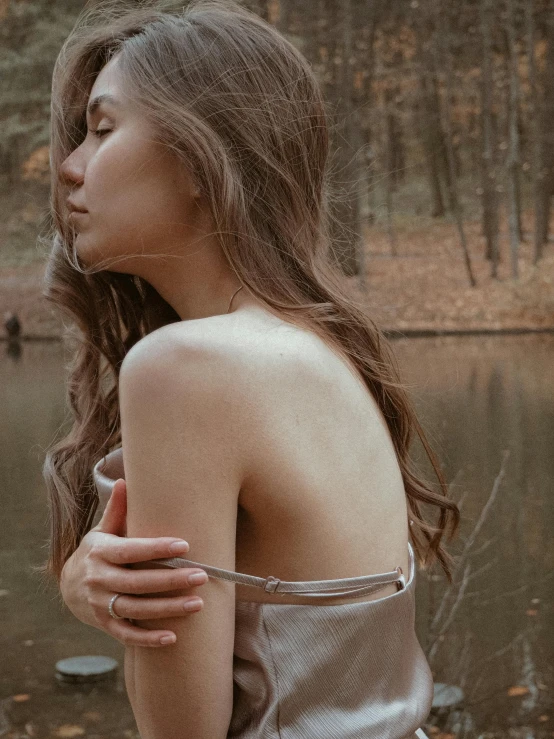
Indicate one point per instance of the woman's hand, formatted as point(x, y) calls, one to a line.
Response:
point(96, 571)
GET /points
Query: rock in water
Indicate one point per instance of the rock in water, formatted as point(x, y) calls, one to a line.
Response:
point(88, 669)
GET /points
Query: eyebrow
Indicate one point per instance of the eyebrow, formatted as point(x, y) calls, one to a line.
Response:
point(94, 104)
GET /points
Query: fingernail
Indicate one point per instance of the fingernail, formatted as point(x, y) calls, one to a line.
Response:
point(199, 578)
point(179, 547)
point(168, 639)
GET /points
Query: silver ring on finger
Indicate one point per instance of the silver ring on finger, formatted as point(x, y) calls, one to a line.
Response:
point(113, 614)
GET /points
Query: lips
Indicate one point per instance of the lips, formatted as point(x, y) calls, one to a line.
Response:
point(76, 219)
point(73, 207)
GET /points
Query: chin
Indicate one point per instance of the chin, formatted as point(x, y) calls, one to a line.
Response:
point(103, 256)
point(89, 256)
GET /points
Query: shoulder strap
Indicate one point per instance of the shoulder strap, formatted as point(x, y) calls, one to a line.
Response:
point(356, 586)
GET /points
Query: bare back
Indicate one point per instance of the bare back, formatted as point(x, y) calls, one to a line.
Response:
point(324, 498)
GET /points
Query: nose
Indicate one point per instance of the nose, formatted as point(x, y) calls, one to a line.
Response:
point(72, 169)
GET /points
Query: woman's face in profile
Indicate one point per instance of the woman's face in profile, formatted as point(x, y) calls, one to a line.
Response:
point(139, 199)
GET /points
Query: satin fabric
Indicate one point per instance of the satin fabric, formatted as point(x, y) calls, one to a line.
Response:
point(347, 671)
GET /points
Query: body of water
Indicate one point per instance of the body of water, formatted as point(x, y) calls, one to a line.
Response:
point(487, 404)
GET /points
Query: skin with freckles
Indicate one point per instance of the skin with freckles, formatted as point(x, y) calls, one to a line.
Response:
point(145, 215)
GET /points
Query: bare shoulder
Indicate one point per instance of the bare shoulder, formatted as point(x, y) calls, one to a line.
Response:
point(260, 374)
point(170, 344)
point(185, 350)
point(237, 358)
point(185, 373)
point(244, 350)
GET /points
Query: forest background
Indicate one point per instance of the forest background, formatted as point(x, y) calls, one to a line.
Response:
point(442, 130)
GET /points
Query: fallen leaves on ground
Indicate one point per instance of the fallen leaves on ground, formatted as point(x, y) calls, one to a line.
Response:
point(516, 690)
point(424, 287)
point(68, 731)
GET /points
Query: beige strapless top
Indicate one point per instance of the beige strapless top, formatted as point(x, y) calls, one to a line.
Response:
point(346, 671)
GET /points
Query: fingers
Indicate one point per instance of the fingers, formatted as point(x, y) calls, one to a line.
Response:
point(148, 580)
point(152, 608)
point(121, 551)
point(136, 608)
point(114, 517)
point(131, 635)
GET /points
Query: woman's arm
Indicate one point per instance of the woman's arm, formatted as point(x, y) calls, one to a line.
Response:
point(183, 457)
point(98, 568)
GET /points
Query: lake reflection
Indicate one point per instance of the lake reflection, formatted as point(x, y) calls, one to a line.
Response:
point(476, 397)
point(480, 397)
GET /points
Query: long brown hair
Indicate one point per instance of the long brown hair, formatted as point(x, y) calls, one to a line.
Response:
point(242, 108)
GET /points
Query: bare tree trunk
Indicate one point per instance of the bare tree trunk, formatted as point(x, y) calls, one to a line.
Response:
point(352, 256)
point(307, 19)
point(533, 115)
point(490, 197)
point(444, 61)
point(262, 9)
point(330, 36)
point(283, 20)
point(437, 208)
point(513, 163)
point(347, 145)
point(372, 16)
point(389, 180)
point(428, 115)
point(545, 174)
point(394, 146)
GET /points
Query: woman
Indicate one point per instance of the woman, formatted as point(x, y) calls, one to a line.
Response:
point(224, 372)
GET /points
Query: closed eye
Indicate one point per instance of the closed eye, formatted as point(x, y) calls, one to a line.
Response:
point(100, 132)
